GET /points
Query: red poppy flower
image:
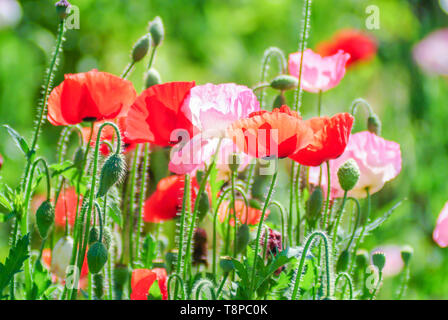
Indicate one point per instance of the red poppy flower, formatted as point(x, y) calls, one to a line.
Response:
point(330, 139)
point(250, 216)
point(156, 114)
point(143, 279)
point(166, 201)
point(108, 134)
point(90, 96)
point(360, 46)
point(66, 207)
point(279, 133)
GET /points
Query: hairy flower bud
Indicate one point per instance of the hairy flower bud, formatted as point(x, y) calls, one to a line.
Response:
point(157, 31)
point(112, 172)
point(152, 78)
point(226, 264)
point(141, 48)
point(379, 260)
point(343, 261)
point(94, 236)
point(45, 218)
point(362, 259)
point(284, 82)
point(374, 124)
point(204, 206)
point(242, 237)
point(348, 175)
point(63, 9)
point(97, 257)
point(406, 254)
point(314, 206)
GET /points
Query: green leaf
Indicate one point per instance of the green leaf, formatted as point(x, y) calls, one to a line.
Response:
point(41, 282)
point(20, 141)
point(115, 214)
point(4, 201)
point(14, 262)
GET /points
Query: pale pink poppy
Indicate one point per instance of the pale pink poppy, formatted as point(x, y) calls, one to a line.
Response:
point(212, 109)
point(318, 73)
point(440, 234)
point(431, 54)
point(379, 161)
point(394, 262)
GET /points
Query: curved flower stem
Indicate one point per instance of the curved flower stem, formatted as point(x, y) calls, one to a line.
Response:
point(327, 203)
point(348, 281)
point(282, 215)
point(358, 102)
point(260, 225)
point(298, 275)
point(131, 212)
point(204, 284)
point(338, 221)
point(127, 70)
point(178, 280)
point(261, 86)
point(196, 208)
point(141, 199)
point(297, 200)
point(282, 66)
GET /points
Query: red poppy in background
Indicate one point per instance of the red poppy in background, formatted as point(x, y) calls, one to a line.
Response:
point(330, 139)
point(250, 216)
point(90, 96)
point(279, 133)
point(108, 134)
point(143, 279)
point(66, 207)
point(166, 201)
point(156, 114)
point(359, 45)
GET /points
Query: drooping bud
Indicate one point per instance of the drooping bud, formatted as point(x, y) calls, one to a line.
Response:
point(112, 172)
point(284, 82)
point(94, 236)
point(348, 175)
point(97, 257)
point(362, 259)
point(78, 158)
point(63, 9)
point(314, 206)
point(45, 218)
point(200, 247)
point(343, 261)
point(204, 206)
point(226, 264)
point(234, 162)
point(242, 237)
point(279, 100)
point(152, 78)
point(374, 124)
point(379, 260)
point(61, 256)
point(157, 31)
point(406, 254)
point(141, 48)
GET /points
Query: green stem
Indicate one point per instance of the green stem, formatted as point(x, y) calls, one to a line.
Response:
point(131, 205)
point(127, 70)
point(297, 200)
point(327, 203)
point(319, 103)
point(282, 216)
point(378, 284)
point(338, 221)
point(404, 282)
point(151, 57)
point(291, 201)
point(143, 189)
point(221, 286)
point(348, 281)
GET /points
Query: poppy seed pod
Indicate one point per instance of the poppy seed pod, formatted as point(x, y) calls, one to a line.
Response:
point(362, 259)
point(242, 237)
point(141, 48)
point(157, 31)
point(63, 9)
point(314, 206)
point(343, 261)
point(284, 82)
point(406, 254)
point(226, 264)
point(348, 175)
point(97, 257)
point(234, 162)
point(45, 218)
point(112, 172)
point(204, 206)
point(379, 260)
point(152, 78)
point(374, 124)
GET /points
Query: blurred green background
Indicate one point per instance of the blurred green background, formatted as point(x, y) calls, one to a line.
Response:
point(223, 41)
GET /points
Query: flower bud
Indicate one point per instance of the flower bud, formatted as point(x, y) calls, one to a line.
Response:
point(314, 206)
point(98, 285)
point(284, 82)
point(152, 78)
point(348, 175)
point(279, 101)
point(97, 257)
point(45, 218)
point(254, 203)
point(94, 236)
point(112, 172)
point(242, 237)
point(406, 254)
point(379, 260)
point(141, 48)
point(343, 261)
point(226, 264)
point(61, 256)
point(63, 9)
point(362, 259)
point(204, 206)
point(78, 158)
point(374, 124)
point(234, 162)
point(157, 31)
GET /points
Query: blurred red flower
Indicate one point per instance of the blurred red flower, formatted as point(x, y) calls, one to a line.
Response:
point(330, 139)
point(156, 114)
point(90, 96)
point(359, 45)
point(66, 207)
point(166, 201)
point(143, 279)
point(250, 216)
point(278, 133)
